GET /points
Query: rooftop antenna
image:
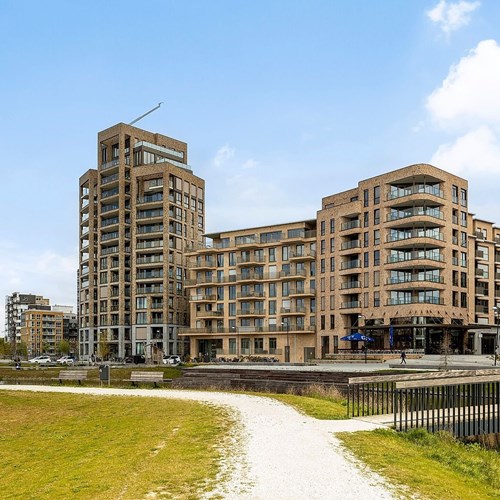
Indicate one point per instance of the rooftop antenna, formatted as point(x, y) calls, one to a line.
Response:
point(145, 114)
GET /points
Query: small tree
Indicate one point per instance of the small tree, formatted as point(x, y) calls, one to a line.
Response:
point(5, 348)
point(103, 346)
point(64, 346)
point(22, 349)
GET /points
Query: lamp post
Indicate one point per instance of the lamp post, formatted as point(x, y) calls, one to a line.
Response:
point(496, 311)
point(366, 345)
point(287, 347)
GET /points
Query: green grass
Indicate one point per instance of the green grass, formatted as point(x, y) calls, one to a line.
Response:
point(435, 466)
point(46, 374)
point(80, 446)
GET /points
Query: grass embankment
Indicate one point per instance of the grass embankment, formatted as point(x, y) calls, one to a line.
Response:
point(317, 401)
point(434, 466)
point(45, 375)
point(80, 446)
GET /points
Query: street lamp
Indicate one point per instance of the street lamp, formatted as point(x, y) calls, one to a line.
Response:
point(366, 345)
point(496, 311)
point(287, 347)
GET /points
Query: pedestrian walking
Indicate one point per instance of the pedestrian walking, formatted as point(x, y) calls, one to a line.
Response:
point(403, 358)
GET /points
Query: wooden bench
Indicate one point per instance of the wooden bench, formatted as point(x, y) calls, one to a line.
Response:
point(72, 375)
point(154, 377)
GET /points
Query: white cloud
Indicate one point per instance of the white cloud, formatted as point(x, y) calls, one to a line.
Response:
point(472, 155)
point(470, 94)
point(450, 16)
point(223, 154)
point(250, 163)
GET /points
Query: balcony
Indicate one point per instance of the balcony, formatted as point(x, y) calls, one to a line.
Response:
point(349, 245)
point(350, 264)
point(251, 311)
point(352, 224)
point(150, 289)
point(152, 198)
point(402, 262)
point(347, 285)
point(293, 311)
point(415, 300)
point(432, 190)
point(150, 229)
point(203, 298)
point(250, 260)
point(415, 234)
point(415, 278)
point(301, 292)
point(247, 241)
point(204, 264)
point(153, 259)
point(292, 274)
point(397, 215)
point(302, 256)
point(353, 304)
point(250, 295)
point(209, 314)
point(110, 164)
point(144, 245)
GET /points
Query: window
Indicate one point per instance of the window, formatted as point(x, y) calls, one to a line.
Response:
point(366, 219)
point(322, 266)
point(365, 197)
point(332, 264)
point(463, 280)
point(366, 259)
point(463, 197)
point(322, 322)
point(322, 246)
point(463, 299)
point(463, 219)
point(376, 299)
point(365, 239)
point(376, 195)
point(272, 307)
point(141, 302)
point(220, 260)
point(376, 237)
point(232, 258)
point(376, 258)
point(463, 239)
point(232, 308)
point(272, 289)
point(141, 318)
point(376, 216)
point(322, 227)
point(272, 255)
point(454, 194)
point(332, 225)
point(285, 252)
point(463, 259)
point(332, 321)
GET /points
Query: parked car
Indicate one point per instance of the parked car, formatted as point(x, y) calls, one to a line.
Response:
point(172, 360)
point(41, 360)
point(65, 360)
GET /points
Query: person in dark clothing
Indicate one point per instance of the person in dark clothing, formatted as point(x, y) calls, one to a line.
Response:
point(403, 358)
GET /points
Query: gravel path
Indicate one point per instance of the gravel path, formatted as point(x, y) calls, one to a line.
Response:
point(280, 453)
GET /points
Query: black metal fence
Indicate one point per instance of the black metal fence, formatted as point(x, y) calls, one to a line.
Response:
point(464, 408)
point(464, 402)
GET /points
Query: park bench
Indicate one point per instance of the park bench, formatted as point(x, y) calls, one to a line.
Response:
point(72, 375)
point(154, 377)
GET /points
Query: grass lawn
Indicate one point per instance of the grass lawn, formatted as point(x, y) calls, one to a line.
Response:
point(314, 406)
point(433, 466)
point(81, 446)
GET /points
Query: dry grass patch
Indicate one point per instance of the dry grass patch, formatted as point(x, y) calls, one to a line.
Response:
point(101, 447)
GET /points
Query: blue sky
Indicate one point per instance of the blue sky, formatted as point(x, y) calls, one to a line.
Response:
point(269, 95)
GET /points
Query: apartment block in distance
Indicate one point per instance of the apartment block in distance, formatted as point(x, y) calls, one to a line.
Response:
point(396, 259)
point(138, 211)
point(15, 304)
point(253, 293)
point(42, 331)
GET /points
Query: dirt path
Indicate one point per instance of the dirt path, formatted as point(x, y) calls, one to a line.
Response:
point(280, 452)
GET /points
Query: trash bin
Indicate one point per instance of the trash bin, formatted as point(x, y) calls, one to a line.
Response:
point(104, 373)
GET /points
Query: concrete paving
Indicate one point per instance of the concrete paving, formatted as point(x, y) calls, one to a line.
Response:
point(426, 362)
